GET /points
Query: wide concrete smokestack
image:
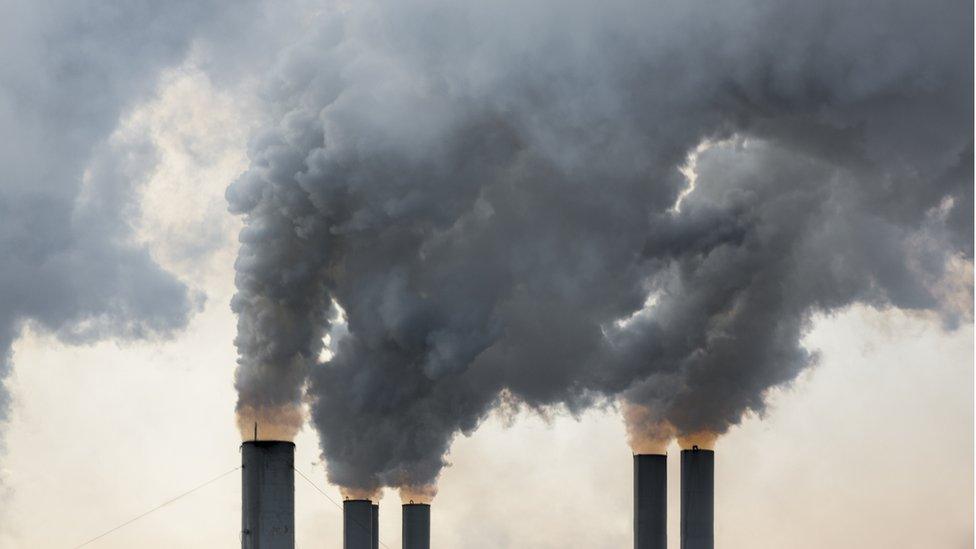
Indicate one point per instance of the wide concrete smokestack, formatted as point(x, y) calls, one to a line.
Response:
point(375, 525)
point(697, 498)
point(650, 501)
point(416, 526)
point(268, 495)
point(357, 524)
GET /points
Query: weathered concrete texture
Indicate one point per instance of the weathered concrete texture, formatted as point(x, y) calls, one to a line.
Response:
point(650, 501)
point(268, 495)
point(357, 524)
point(375, 524)
point(697, 499)
point(416, 526)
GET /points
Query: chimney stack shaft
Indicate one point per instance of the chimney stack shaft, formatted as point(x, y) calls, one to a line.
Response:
point(697, 499)
point(375, 526)
point(357, 524)
point(416, 526)
point(267, 495)
point(650, 501)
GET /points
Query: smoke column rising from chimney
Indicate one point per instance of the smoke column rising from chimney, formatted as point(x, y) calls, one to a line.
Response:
point(641, 201)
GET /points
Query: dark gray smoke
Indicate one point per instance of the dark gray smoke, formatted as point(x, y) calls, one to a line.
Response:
point(498, 197)
point(69, 72)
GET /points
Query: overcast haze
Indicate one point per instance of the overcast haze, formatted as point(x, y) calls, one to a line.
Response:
point(754, 219)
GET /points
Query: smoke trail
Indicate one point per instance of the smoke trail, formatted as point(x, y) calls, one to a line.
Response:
point(569, 204)
point(70, 72)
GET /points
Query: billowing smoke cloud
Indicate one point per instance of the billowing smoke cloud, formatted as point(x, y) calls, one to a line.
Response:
point(563, 204)
point(69, 73)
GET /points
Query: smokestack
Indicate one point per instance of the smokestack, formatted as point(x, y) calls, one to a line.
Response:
point(357, 525)
point(416, 526)
point(650, 501)
point(267, 495)
point(375, 525)
point(697, 498)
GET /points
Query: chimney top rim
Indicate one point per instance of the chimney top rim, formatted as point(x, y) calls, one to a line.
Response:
point(266, 442)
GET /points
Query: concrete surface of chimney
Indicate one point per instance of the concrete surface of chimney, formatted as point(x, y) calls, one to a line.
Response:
point(267, 495)
point(697, 499)
point(650, 501)
point(416, 526)
point(375, 525)
point(357, 524)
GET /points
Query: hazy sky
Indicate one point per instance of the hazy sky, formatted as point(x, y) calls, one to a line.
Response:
point(124, 397)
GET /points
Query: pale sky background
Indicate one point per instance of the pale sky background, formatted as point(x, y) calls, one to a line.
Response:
point(872, 448)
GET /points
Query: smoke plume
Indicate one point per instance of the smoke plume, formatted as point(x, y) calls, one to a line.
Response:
point(71, 71)
point(572, 204)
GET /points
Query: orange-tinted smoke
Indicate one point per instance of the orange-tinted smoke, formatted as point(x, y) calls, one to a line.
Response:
point(418, 494)
point(372, 494)
point(646, 432)
point(702, 439)
point(273, 422)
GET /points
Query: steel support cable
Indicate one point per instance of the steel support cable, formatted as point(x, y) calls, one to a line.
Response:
point(157, 508)
point(319, 490)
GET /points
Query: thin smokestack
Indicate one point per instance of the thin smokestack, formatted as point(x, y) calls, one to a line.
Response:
point(650, 501)
point(357, 526)
point(416, 526)
point(375, 525)
point(697, 498)
point(268, 495)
